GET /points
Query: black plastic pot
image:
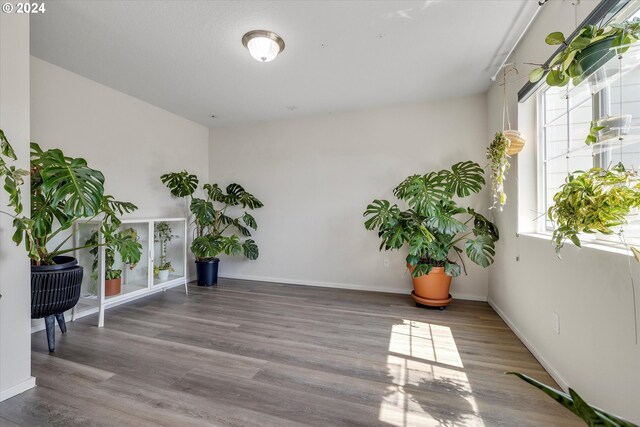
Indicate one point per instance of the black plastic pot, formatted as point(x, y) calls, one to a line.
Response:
point(207, 272)
point(595, 56)
point(54, 290)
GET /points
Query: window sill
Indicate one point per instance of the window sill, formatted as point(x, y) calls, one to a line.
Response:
point(611, 247)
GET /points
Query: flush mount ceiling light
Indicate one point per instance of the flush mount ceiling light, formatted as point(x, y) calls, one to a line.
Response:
point(263, 45)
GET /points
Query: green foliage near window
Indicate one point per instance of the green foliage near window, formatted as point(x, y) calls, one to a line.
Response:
point(566, 67)
point(163, 234)
point(594, 128)
point(13, 177)
point(213, 218)
point(124, 242)
point(597, 200)
point(434, 226)
point(591, 415)
point(499, 165)
point(64, 190)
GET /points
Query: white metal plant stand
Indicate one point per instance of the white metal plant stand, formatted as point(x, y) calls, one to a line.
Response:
point(137, 282)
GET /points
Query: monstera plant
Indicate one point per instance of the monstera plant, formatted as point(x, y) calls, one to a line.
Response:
point(64, 191)
point(435, 228)
point(214, 222)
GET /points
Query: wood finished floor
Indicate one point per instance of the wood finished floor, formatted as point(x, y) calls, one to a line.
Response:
point(258, 354)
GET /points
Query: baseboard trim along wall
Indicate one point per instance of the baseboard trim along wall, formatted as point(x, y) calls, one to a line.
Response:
point(545, 364)
point(350, 286)
point(17, 389)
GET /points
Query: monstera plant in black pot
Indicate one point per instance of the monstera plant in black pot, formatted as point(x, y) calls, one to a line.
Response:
point(64, 190)
point(213, 222)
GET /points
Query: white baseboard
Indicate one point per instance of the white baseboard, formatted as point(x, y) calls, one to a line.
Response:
point(335, 285)
point(18, 388)
point(545, 364)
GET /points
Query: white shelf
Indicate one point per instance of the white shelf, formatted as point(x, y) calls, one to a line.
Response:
point(142, 283)
point(172, 279)
point(600, 147)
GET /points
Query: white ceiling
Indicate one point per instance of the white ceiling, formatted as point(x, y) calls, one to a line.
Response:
point(187, 56)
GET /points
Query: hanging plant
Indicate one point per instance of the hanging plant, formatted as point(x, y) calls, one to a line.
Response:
point(499, 165)
point(587, 52)
point(597, 200)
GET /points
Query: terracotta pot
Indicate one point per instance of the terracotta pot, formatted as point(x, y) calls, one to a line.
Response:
point(112, 287)
point(432, 289)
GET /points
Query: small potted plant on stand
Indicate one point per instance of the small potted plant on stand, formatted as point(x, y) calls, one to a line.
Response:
point(123, 242)
point(163, 235)
point(212, 220)
point(433, 228)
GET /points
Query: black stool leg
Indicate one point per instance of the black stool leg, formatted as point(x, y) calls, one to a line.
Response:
point(61, 323)
point(50, 323)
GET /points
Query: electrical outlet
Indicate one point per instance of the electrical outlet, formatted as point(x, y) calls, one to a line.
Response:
point(556, 322)
point(386, 262)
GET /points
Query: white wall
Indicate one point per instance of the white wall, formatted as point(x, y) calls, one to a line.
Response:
point(130, 141)
point(15, 340)
point(317, 175)
point(595, 352)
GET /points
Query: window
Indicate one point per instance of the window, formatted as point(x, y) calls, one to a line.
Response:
point(564, 117)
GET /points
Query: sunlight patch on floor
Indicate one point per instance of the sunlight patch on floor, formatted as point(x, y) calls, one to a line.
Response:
point(429, 387)
point(425, 341)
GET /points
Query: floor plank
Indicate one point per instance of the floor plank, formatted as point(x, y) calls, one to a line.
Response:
point(261, 354)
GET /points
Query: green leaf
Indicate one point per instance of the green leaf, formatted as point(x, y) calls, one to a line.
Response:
point(422, 192)
point(555, 38)
point(203, 211)
point(568, 60)
point(248, 200)
point(214, 192)
point(381, 215)
point(14, 178)
point(557, 78)
point(591, 415)
point(464, 179)
point(481, 250)
point(452, 269)
point(443, 219)
point(536, 74)
point(206, 247)
point(71, 182)
point(127, 245)
point(421, 270)
point(5, 148)
point(241, 228)
point(181, 184)
point(231, 245)
point(250, 249)
point(560, 397)
point(249, 221)
point(579, 43)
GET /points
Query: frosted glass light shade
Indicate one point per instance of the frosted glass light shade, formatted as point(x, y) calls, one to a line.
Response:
point(263, 45)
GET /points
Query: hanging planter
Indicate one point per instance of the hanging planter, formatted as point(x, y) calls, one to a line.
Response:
point(516, 141)
point(506, 143)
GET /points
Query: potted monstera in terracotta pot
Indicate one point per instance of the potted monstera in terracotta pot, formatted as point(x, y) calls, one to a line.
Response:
point(435, 229)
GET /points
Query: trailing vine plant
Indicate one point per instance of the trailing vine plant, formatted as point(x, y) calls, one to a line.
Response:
point(499, 165)
point(595, 201)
